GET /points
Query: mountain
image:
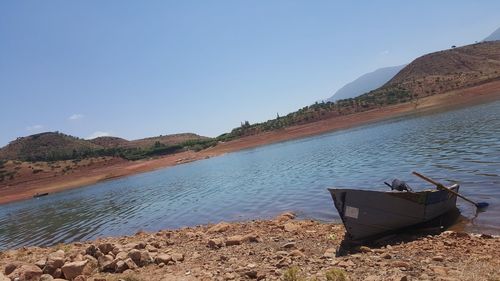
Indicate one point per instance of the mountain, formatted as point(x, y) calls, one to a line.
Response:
point(365, 83)
point(493, 36)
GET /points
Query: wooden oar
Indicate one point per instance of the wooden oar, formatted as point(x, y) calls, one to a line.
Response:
point(479, 205)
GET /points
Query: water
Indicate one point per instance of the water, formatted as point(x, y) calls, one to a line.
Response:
point(461, 145)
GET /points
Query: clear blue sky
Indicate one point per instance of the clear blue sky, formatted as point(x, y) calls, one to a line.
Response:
point(143, 68)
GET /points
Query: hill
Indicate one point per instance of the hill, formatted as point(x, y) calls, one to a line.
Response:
point(110, 142)
point(493, 36)
point(441, 72)
point(166, 140)
point(47, 146)
point(427, 75)
point(54, 146)
point(365, 83)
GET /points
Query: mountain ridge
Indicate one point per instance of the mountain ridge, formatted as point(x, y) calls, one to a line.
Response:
point(366, 83)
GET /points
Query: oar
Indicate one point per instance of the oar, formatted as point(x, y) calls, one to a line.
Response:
point(479, 205)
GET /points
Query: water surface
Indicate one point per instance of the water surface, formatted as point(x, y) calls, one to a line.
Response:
point(461, 145)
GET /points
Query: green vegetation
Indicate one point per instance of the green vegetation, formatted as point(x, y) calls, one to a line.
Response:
point(336, 274)
point(323, 110)
point(293, 274)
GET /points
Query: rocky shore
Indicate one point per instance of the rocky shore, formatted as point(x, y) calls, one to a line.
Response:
point(279, 249)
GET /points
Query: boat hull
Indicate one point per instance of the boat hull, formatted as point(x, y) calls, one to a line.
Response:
point(368, 213)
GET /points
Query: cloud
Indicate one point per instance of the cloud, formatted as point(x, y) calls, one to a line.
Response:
point(34, 128)
point(97, 134)
point(76, 116)
point(386, 52)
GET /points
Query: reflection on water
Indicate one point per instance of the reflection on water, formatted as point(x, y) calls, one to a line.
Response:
point(461, 145)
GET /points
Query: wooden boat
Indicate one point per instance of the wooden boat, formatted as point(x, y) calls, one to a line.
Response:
point(40, 194)
point(368, 214)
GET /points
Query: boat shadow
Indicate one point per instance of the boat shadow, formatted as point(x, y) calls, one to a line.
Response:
point(404, 235)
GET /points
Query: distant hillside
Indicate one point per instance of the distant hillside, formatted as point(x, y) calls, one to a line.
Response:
point(428, 75)
point(166, 140)
point(365, 83)
point(49, 145)
point(443, 71)
point(110, 142)
point(54, 146)
point(493, 36)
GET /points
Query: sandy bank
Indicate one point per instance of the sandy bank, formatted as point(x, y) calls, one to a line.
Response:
point(258, 250)
point(36, 183)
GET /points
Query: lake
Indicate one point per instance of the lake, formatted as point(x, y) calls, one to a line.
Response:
point(462, 146)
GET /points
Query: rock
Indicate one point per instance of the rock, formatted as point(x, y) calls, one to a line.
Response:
point(4, 278)
point(106, 248)
point(291, 227)
point(142, 259)
point(135, 255)
point(9, 268)
point(400, 278)
point(80, 278)
point(438, 258)
point(364, 249)
point(91, 250)
point(130, 263)
point(163, 258)
point(386, 256)
point(252, 274)
point(105, 263)
point(215, 243)
point(285, 217)
point(235, 240)
point(120, 266)
point(346, 264)
point(296, 253)
point(218, 228)
point(288, 245)
point(54, 261)
point(121, 256)
point(486, 236)
point(372, 278)
point(26, 272)
point(73, 269)
point(330, 253)
point(141, 245)
point(177, 257)
point(41, 263)
point(252, 237)
point(401, 264)
point(439, 270)
point(57, 273)
point(46, 277)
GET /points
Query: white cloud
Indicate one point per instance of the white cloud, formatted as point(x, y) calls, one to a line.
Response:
point(386, 52)
point(97, 134)
point(34, 128)
point(76, 116)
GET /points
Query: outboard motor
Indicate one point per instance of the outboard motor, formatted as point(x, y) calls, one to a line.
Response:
point(399, 185)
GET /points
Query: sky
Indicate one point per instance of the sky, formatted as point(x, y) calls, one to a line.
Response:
point(136, 69)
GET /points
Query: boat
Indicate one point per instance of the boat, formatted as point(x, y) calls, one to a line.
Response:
point(368, 214)
point(40, 194)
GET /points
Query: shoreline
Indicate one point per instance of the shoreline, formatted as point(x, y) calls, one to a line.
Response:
point(119, 168)
point(258, 250)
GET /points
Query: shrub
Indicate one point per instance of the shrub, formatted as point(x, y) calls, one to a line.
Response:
point(293, 274)
point(336, 274)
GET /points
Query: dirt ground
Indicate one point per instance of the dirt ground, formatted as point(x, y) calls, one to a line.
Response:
point(48, 179)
